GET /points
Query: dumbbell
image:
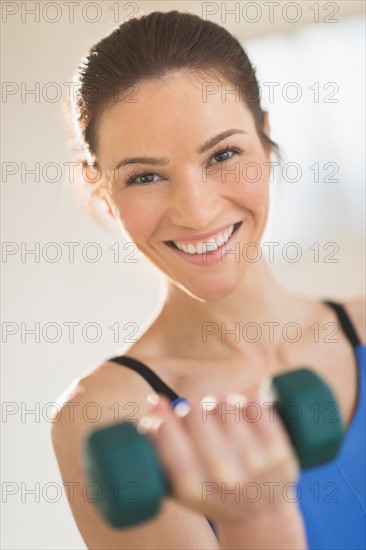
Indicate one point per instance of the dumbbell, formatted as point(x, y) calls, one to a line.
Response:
point(123, 466)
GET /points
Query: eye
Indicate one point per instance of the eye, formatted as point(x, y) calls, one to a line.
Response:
point(132, 181)
point(221, 151)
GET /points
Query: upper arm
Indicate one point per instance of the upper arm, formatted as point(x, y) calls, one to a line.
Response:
point(357, 312)
point(175, 526)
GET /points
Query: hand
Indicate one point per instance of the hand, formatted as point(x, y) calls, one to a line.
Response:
point(237, 469)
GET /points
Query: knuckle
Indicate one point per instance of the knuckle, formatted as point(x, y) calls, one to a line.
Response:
point(279, 456)
point(225, 474)
point(190, 492)
point(258, 464)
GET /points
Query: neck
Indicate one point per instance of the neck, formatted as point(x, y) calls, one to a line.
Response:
point(215, 327)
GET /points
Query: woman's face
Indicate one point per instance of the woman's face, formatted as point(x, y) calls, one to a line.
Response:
point(193, 190)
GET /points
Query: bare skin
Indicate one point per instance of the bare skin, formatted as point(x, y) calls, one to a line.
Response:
point(170, 119)
point(194, 377)
point(179, 203)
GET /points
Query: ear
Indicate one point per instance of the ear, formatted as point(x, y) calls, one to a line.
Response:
point(266, 126)
point(94, 177)
point(109, 206)
point(267, 131)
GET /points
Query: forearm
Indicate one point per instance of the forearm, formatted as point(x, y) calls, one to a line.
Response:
point(263, 534)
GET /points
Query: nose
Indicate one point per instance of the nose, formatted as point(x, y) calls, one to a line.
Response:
point(194, 200)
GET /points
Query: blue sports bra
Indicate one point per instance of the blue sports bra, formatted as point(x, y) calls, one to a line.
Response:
point(331, 497)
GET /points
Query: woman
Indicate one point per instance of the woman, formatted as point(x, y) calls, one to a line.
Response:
point(170, 145)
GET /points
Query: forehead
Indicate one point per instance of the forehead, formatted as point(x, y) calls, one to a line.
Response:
point(169, 110)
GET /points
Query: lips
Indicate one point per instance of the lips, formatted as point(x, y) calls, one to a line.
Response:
point(212, 258)
point(172, 244)
point(204, 239)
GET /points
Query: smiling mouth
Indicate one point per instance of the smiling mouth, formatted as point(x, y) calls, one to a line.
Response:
point(173, 245)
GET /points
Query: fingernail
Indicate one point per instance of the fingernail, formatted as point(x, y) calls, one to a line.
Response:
point(210, 398)
point(266, 391)
point(149, 423)
point(182, 409)
point(144, 424)
point(234, 398)
point(153, 398)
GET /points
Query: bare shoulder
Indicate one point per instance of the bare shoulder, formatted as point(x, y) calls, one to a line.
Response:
point(356, 309)
point(107, 394)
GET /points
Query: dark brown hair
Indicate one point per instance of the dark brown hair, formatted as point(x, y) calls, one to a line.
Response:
point(151, 47)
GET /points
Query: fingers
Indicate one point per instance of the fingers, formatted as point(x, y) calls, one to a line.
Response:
point(176, 450)
point(219, 441)
point(251, 436)
point(279, 446)
point(240, 423)
point(217, 455)
point(260, 437)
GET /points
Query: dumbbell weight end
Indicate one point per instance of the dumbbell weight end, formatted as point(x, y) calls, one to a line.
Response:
point(128, 479)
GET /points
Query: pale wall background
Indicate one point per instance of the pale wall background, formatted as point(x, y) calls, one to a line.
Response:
point(35, 213)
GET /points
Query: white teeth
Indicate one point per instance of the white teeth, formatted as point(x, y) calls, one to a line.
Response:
point(207, 246)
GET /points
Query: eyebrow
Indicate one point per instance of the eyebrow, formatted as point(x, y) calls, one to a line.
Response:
point(157, 161)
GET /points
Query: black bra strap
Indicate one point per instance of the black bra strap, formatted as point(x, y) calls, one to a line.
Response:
point(160, 387)
point(149, 375)
point(345, 322)
point(156, 383)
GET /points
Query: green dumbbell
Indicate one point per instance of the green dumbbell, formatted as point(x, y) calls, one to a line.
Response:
point(123, 466)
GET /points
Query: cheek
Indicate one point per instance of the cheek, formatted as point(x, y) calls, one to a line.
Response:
point(251, 187)
point(139, 216)
point(255, 184)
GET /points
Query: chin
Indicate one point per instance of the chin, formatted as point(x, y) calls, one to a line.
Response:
point(211, 290)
